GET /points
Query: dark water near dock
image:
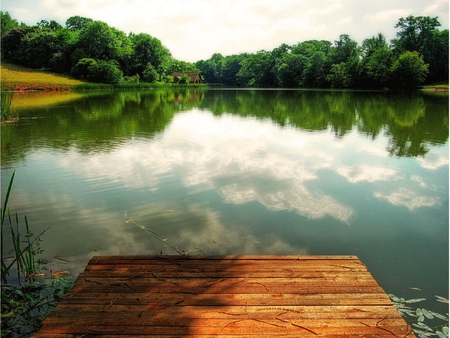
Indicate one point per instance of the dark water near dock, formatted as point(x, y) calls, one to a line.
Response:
point(238, 172)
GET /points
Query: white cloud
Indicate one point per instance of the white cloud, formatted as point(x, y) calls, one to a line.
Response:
point(434, 160)
point(409, 199)
point(229, 154)
point(366, 173)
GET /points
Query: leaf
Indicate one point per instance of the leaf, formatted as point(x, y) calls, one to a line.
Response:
point(441, 299)
point(440, 334)
point(419, 315)
point(427, 314)
point(415, 300)
point(438, 315)
point(423, 326)
point(394, 298)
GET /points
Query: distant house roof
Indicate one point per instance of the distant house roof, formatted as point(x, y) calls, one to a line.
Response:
point(194, 77)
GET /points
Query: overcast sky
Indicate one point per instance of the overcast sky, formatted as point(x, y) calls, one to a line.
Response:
point(195, 29)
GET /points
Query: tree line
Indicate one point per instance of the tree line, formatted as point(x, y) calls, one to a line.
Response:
point(94, 51)
point(418, 54)
point(90, 50)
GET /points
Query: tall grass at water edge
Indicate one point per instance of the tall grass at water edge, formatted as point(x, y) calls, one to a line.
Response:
point(6, 100)
point(28, 297)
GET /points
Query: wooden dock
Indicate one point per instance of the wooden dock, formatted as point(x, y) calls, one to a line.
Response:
point(225, 296)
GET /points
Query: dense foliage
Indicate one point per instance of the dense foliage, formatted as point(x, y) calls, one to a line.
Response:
point(418, 54)
point(88, 49)
point(95, 51)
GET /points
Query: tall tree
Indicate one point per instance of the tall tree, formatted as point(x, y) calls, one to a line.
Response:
point(416, 34)
point(75, 23)
point(255, 70)
point(421, 34)
point(231, 67)
point(377, 60)
point(102, 42)
point(147, 49)
point(7, 23)
point(343, 49)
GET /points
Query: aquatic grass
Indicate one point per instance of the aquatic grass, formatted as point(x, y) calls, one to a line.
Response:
point(24, 251)
point(26, 302)
point(6, 102)
point(425, 323)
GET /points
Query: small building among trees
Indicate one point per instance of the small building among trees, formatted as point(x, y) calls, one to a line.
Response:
point(192, 77)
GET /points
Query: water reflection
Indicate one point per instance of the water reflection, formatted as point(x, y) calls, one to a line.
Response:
point(100, 121)
point(238, 172)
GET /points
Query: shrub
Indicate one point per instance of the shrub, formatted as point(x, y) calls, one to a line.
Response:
point(149, 74)
point(105, 72)
point(131, 79)
point(98, 71)
point(81, 69)
point(409, 71)
point(184, 79)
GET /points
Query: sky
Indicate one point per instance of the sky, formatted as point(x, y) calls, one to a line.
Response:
point(194, 30)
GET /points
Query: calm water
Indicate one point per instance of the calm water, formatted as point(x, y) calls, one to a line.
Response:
point(238, 172)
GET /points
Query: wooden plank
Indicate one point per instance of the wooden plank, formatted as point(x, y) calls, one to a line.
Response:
point(225, 296)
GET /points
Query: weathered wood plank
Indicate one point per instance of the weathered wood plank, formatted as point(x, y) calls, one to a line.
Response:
point(237, 327)
point(225, 296)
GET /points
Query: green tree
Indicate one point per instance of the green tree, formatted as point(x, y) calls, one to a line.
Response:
point(409, 71)
point(184, 79)
point(7, 23)
point(438, 57)
point(373, 44)
point(318, 62)
point(343, 49)
point(345, 57)
point(175, 65)
point(339, 76)
point(290, 69)
point(102, 42)
point(147, 49)
point(105, 72)
point(421, 34)
point(316, 70)
point(212, 69)
point(149, 74)
point(82, 69)
point(50, 25)
point(231, 67)
point(255, 70)
point(76, 23)
point(416, 34)
point(37, 48)
point(378, 67)
point(12, 43)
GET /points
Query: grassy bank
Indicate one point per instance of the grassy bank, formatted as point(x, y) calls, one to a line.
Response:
point(102, 86)
point(25, 79)
point(435, 87)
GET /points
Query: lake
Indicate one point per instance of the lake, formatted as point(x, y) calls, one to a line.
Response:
point(232, 172)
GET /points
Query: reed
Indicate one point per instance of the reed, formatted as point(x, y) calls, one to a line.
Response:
point(27, 300)
point(6, 101)
point(24, 251)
